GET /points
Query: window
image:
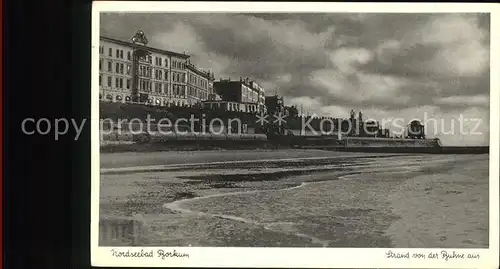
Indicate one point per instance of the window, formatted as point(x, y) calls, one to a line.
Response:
point(100, 80)
point(110, 52)
point(121, 83)
point(128, 55)
point(117, 69)
point(117, 82)
point(101, 49)
point(128, 83)
point(121, 54)
point(150, 59)
point(109, 81)
point(166, 63)
point(100, 64)
point(160, 74)
point(128, 69)
point(109, 66)
point(121, 68)
point(159, 62)
point(117, 53)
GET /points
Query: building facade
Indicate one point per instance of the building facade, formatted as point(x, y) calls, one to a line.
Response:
point(242, 91)
point(231, 106)
point(134, 72)
point(199, 84)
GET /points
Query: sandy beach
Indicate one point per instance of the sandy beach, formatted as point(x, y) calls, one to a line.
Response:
point(300, 198)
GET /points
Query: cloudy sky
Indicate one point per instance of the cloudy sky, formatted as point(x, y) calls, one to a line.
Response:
point(393, 67)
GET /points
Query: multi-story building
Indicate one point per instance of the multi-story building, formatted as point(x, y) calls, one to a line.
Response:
point(199, 84)
point(242, 91)
point(274, 104)
point(134, 72)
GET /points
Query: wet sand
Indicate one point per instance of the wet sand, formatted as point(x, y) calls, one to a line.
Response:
point(336, 200)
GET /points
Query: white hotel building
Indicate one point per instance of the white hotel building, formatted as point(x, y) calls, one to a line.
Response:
point(134, 72)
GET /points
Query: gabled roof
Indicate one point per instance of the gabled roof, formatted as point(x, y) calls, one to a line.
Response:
point(130, 44)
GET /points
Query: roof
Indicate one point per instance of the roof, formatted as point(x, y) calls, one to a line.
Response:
point(197, 71)
point(127, 43)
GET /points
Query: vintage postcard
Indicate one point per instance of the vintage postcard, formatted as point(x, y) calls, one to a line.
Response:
point(295, 135)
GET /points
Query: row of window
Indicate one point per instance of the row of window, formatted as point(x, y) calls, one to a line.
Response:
point(119, 82)
point(144, 71)
point(179, 90)
point(195, 80)
point(149, 59)
point(247, 108)
point(158, 87)
point(232, 107)
point(150, 100)
point(178, 77)
point(118, 54)
point(197, 93)
point(119, 67)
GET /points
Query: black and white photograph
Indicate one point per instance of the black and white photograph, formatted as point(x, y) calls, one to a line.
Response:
point(294, 131)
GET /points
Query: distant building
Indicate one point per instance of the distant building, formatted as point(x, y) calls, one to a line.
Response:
point(274, 104)
point(242, 91)
point(134, 72)
point(415, 130)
